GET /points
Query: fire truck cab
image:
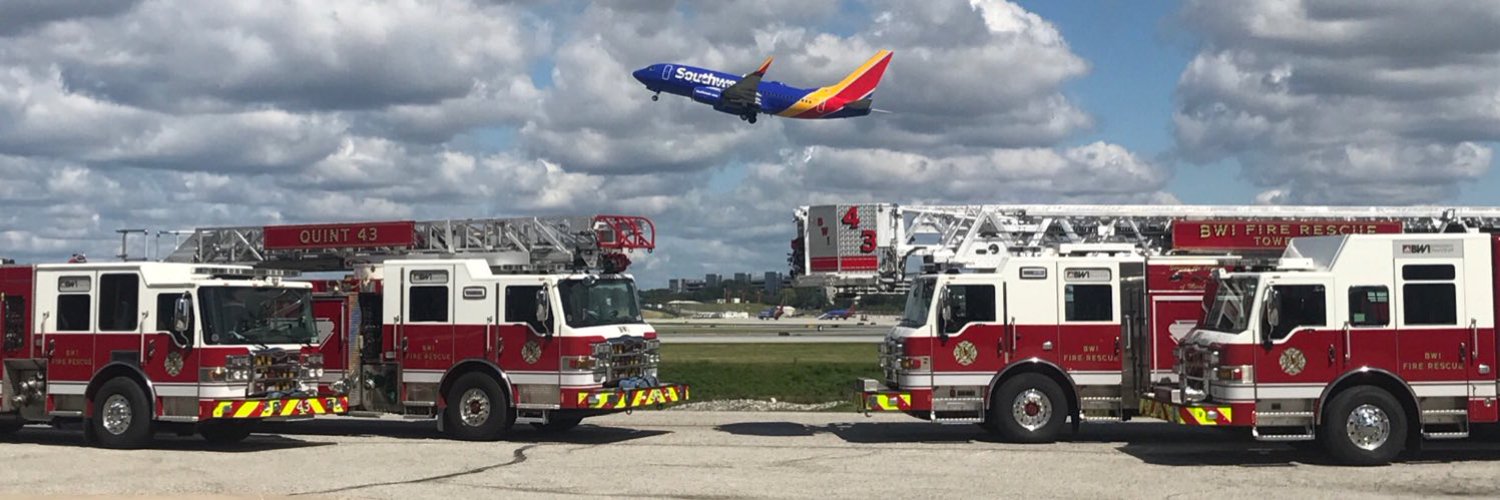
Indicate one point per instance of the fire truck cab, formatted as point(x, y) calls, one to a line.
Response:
point(1364, 343)
point(131, 348)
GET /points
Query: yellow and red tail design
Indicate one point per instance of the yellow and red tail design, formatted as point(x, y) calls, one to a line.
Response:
point(763, 67)
point(858, 85)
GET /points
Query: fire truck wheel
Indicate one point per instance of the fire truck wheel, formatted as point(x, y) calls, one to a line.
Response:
point(477, 408)
point(122, 418)
point(1028, 408)
point(9, 428)
point(1364, 426)
point(225, 432)
point(558, 424)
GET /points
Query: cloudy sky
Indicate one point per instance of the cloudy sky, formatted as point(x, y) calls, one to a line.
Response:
point(172, 115)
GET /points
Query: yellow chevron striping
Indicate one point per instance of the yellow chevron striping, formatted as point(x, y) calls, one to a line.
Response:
point(246, 409)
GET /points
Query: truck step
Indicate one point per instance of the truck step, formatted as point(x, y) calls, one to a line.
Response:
point(1445, 435)
point(531, 417)
point(1101, 418)
point(1454, 411)
point(957, 400)
point(1282, 434)
point(1284, 414)
point(366, 414)
point(958, 420)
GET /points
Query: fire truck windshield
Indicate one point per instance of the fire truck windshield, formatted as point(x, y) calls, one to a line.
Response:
point(600, 302)
point(239, 315)
point(918, 302)
point(1232, 305)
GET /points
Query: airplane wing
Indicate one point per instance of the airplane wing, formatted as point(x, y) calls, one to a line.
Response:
point(742, 93)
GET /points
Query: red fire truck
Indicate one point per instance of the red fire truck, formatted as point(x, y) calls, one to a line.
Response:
point(1027, 316)
point(478, 324)
point(132, 348)
point(1365, 343)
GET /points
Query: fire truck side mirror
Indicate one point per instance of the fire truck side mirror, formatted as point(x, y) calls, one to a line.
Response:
point(1272, 315)
point(543, 312)
point(945, 312)
point(182, 321)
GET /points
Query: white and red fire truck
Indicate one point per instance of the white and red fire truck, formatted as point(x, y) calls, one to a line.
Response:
point(133, 348)
point(1365, 343)
point(479, 324)
point(1026, 316)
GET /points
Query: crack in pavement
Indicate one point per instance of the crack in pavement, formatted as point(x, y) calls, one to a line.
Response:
point(517, 457)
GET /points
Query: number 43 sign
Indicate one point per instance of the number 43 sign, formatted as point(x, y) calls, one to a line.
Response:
point(866, 236)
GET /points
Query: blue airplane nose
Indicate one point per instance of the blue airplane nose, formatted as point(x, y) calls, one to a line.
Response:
point(642, 74)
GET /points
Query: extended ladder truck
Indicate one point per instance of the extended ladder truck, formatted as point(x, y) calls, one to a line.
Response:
point(1022, 317)
point(478, 324)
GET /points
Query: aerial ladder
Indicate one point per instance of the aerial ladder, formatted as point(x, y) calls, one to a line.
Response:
point(513, 245)
point(875, 248)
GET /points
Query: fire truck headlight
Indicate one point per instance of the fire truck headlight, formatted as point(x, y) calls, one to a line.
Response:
point(1213, 358)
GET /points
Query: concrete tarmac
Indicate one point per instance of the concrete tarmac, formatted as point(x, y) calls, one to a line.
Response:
point(711, 455)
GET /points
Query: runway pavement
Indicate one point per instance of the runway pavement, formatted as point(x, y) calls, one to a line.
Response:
point(708, 455)
point(743, 331)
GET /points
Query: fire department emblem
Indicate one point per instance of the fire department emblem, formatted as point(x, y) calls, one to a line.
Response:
point(531, 352)
point(965, 353)
point(174, 363)
point(1292, 361)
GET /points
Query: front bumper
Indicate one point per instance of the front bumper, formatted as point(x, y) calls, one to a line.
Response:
point(626, 399)
point(1194, 414)
point(277, 408)
point(871, 395)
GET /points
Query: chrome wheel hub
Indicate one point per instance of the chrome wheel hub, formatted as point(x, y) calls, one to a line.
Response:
point(474, 407)
point(1031, 409)
point(117, 415)
point(1368, 427)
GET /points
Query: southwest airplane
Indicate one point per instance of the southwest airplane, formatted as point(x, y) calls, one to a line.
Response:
point(748, 96)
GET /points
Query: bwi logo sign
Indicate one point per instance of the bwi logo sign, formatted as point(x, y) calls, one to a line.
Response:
point(1416, 249)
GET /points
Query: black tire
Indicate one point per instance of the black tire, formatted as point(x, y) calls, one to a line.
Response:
point(1045, 398)
point(558, 424)
point(225, 432)
point(122, 415)
point(8, 428)
point(1374, 405)
point(486, 406)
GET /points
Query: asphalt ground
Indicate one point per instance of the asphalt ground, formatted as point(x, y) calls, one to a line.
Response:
point(711, 455)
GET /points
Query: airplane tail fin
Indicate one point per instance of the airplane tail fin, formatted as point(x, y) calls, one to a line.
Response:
point(763, 67)
point(862, 82)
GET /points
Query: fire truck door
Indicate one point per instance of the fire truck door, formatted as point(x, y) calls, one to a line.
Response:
point(1088, 338)
point(1031, 313)
point(67, 307)
point(1297, 347)
point(1432, 329)
point(424, 338)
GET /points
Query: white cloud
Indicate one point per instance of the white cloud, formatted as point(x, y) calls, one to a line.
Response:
point(179, 114)
point(1344, 102)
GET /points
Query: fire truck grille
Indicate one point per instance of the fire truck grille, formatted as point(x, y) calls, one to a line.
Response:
point(1195, 370)
point(275, 371)
point(628, 358)
point(890, 362)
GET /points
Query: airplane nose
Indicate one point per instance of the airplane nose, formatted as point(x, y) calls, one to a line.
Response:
point(641, 74)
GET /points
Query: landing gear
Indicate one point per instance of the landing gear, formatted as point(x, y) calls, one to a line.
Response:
point(749, 117)
point(656, 97)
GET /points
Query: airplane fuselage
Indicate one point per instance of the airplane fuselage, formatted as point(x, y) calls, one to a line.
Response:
point(771, 97)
